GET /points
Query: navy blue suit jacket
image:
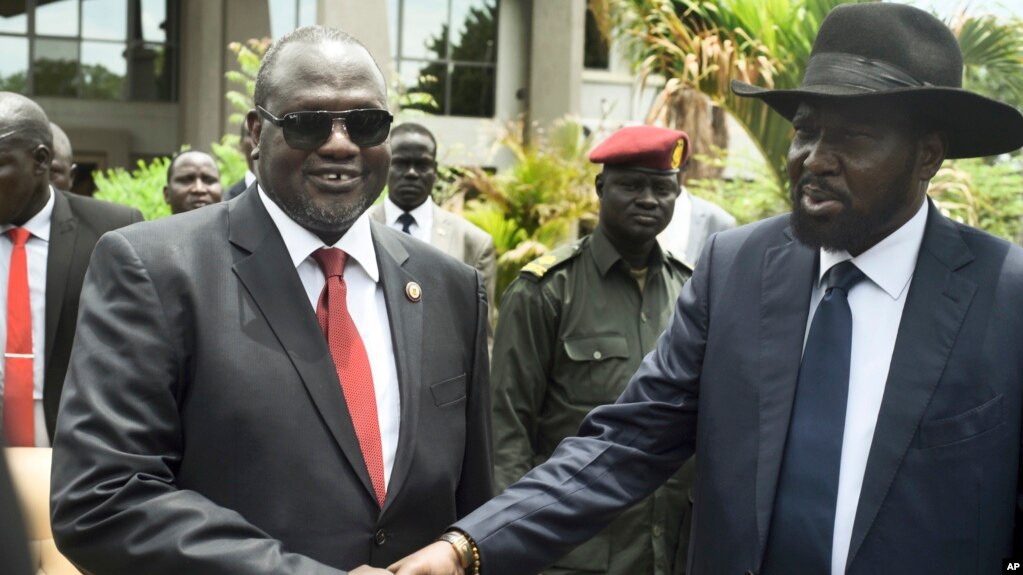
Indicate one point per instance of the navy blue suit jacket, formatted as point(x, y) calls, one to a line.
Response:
point(940, 492)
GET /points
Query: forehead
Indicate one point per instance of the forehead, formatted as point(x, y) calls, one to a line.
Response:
point(325, 76)
point(411, 143)
point(193, 161)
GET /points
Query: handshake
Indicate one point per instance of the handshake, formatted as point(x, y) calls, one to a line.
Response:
point(438, 558)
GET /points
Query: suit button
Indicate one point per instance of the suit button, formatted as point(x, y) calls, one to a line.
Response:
point(750, 572)
point(380, 538)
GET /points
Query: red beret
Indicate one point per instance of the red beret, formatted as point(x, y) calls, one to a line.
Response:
point(645, 148)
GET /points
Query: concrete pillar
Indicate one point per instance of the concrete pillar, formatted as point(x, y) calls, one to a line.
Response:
point(244, 20)
point(365, 20)
point(556, 59)
point(201, 93)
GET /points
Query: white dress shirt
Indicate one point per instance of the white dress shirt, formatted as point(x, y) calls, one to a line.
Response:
point(423, 214)
point(250, 178)
point(37, 248)
point(876, 307)
point(366, 305)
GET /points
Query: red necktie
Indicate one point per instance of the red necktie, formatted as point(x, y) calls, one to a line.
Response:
point(351, 362)
point(19, 427)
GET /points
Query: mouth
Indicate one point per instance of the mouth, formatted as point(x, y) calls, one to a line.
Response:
point(336, 180)
point(646, 219)
point(198, 204)
point(819, 202)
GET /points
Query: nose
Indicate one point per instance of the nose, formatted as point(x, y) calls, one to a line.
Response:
point(646, 198)
point(200, 187)
point(338, 144)
point(819, 158)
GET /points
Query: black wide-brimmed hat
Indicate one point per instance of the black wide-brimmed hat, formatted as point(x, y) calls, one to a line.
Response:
point(896, 51)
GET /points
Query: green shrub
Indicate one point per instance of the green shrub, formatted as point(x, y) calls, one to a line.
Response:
point(141, 188)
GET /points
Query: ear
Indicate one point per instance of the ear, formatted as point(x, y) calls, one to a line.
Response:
point(42, 156)
point(166, 194)
point(255, 126)
point(933, 146)
point(73, 173)
point(599, 183)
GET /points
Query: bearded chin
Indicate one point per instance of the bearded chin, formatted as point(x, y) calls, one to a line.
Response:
point(843, 232)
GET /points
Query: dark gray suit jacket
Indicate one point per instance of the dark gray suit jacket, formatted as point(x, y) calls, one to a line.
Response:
point(75, 226)
point(203, 429)
point(941, 489)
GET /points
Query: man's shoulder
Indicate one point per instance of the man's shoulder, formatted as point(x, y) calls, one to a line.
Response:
point(554, 262)
point(99, 213)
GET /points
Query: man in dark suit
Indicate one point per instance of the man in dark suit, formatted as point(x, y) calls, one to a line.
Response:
point(246, 147)
point(14, 557)
point(60, 230)
point(242, 401)
point(851, 376)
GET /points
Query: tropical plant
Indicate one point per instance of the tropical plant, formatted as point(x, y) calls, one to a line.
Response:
point(992, 56)
point(540, 202)
point(140, 188)
point(982, 194)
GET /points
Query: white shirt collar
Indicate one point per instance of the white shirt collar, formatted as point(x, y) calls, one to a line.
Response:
point(39, 224)
point(890, 263)
point(301, 243)
point(250, 178)
point(423, 213)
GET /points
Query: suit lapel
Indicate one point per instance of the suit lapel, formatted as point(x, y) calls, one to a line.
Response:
point(281, 299)
point(406, 321)
point(935, 307)
point(61, 248)
point(788, 275)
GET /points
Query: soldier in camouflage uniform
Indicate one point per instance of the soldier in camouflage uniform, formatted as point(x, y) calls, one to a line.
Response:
point(574, 327)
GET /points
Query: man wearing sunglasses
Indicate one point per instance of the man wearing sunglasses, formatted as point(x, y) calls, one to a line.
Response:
point(276, 384)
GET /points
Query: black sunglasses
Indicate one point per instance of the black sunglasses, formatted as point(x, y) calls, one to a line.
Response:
point(309, 130)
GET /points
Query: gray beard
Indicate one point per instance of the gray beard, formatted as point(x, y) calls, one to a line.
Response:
point(317, 219)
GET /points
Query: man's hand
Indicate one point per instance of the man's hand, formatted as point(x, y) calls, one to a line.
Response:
point(367, 570)
point(438, 558)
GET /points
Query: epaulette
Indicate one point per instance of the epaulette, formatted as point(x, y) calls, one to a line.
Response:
point(537, 268)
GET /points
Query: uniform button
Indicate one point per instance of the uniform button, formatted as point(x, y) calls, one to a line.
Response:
point(597, 355)
point(380, 537)
point(642, 317)
point(658, 531)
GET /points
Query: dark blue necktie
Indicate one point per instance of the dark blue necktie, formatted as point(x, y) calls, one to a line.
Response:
point(406, 220)
point(802, 526)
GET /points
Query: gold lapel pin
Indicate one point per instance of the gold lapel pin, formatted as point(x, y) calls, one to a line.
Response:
point(413, 292)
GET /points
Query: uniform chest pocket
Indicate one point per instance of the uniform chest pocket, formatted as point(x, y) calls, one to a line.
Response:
point(598, 369)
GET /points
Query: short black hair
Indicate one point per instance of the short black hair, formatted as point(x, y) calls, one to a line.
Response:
point(304, 35)
point(414, 128)
point(174, 160)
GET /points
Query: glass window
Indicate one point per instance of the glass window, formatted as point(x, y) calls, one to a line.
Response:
point(58, 18)
point(306, 12)
point(14, 16)
point(102, 49)
point(154, 20)
point(103, 70)
point(55, 68)
point(14, 64)
point(448, 49)
point(104, 19)
point(595, 50)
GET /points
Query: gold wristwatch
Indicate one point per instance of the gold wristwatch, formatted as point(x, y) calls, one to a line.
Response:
point(465, 548)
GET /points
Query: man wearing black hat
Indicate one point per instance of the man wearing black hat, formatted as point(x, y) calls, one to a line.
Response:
point(574, 327)
point(851, 375)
